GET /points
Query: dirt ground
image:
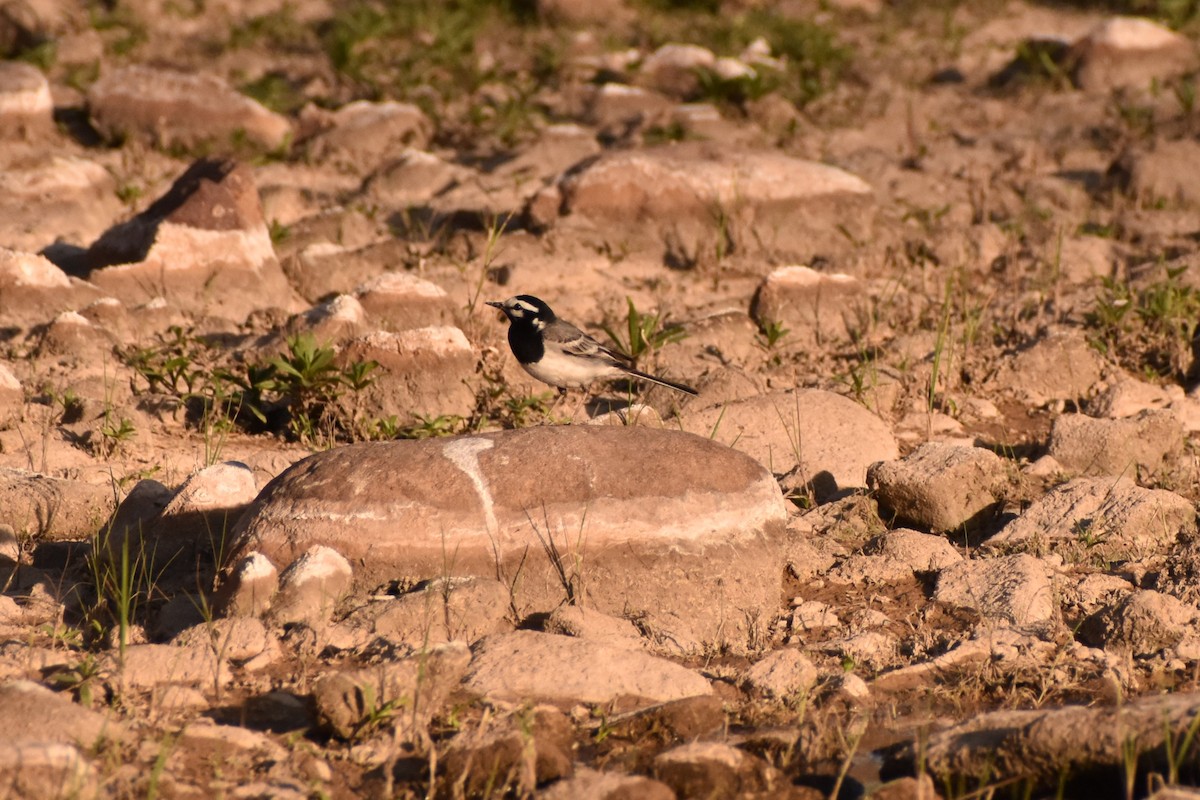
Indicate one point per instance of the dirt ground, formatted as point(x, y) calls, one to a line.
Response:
point(977, 221)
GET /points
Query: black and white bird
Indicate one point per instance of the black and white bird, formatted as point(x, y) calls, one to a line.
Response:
point(556, 352)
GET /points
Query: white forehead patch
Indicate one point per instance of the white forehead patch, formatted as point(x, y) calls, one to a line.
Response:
point(522, 305)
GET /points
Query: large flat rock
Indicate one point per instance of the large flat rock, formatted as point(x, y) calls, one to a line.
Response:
point(629, 521)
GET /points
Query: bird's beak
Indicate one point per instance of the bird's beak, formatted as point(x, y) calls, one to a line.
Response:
point(494, 304)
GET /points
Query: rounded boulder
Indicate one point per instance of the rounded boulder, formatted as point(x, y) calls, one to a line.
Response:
point(661, 525)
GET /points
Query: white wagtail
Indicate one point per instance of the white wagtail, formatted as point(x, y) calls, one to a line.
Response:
point(556, 352)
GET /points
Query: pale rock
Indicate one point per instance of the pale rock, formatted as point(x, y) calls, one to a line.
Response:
point(45, 771)
point(33, 291)
point(1062, 366)
point(419, 683)
point(617, 106)
point(444, 609)
point(238, 639)
point(206, 739)
point(695, 548)
point(1014, 590)
point(1129, 52)
point(249, 587)
point(832, 439)
point(645, 199)
point(363, 134)
point(715, 769)
point(422, 372)
point(397, 301)
point(30, 713)
point(1036, 747)
point(144, 666)
point(412, 180)
point(851, 687)
point(55, 509)
point(586, 623)
point(582, 12)
point(311, 586)
point(521, 752)
point(940, 487)
point(1114, 518)
point(1162, 172)
point(872, 650)
point(1142, 623)
point(63, 199)
point(782, 674)
point(180, 109)
point(813, 615)
point(194, 522)
point(1128, 397)
point(336, 320)
point(896, 556)
point(590, 784)
point(525, 665)
point(1123, 447)
point(26, 107)
point(204, 242)
point(817, 308)
point(12, 395)
point(672, 68)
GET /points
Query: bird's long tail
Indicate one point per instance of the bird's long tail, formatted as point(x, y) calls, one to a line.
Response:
point(679, 387)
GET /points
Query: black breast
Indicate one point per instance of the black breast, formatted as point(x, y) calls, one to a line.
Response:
point(526, 343)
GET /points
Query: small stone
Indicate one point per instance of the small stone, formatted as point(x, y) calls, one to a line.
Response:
point(31, 713)
point(712, 769)
point(896, 556)
point(816, 308)
point(785, 674)
point(249, 587)
point(178, 109)
point(36, 770)
point(1127, 398)
point(940, 487)
point(1110, 518)
point(531, 749)
point(144, 666)
point(1012, 589)
point(207, 231)
point(443, 610)
point(311, 586)
point(398, 301)
point(1116, 447)
point(348, 700)
point(564, 669)
point(832, 439)
point(813, 615)
point(363, 134)
point(1062, 366)
point(35, 291)
point(672, 68)
point(590, 624)
point(26, 107)
point(1129, 52)
point(590, 784)
point(423, 372)
point(1141, 623)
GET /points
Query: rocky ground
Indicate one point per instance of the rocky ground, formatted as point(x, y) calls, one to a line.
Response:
point(281, 517)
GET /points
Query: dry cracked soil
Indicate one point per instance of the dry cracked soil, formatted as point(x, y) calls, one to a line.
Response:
point(281, 516)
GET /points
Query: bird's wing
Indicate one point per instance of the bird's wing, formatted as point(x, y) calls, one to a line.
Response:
point(575, 342)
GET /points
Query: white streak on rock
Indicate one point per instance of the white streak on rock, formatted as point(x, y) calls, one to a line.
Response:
point(464, 454)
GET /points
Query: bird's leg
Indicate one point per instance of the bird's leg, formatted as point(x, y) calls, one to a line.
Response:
point(560, 393)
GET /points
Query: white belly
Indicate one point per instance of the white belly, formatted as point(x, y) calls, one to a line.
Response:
point(569, 372)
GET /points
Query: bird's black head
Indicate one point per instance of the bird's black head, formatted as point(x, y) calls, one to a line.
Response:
point(525, 309)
